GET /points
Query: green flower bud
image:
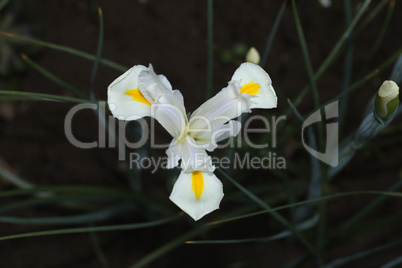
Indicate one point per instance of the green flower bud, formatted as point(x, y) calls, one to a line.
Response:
point(253, 56)
point(387, 99)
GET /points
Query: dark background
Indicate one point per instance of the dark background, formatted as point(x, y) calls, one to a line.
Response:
point(172, 36)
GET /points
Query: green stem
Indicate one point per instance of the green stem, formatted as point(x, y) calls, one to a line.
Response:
point(273, 33)
point(310, 71)
point(121, 227)
point(277, 216)
point(42, 96)
point(69, 50)
point(169, 246)
point(347, 64)
point(53, 78)
point(14, 179)
point(97, 56)
point(210, 52)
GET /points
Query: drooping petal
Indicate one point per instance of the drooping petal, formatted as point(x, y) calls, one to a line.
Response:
point(197, 193)
point(193, 156)
point(224, 106)
point(168, 106)
point(125, 100)
point(170, 116)
point(154, 85)
point(254, 81)
point(218, 133)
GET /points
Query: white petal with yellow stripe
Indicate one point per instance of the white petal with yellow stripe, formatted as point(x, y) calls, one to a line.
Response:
point(197, 193)
point(256, 82)
point(125, 99)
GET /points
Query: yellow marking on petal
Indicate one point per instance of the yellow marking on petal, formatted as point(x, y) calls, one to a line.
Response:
point(198, 183)
point(250, 88)
point(137, 96)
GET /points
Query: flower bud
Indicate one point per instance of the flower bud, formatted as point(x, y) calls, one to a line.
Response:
point(387, 99)
point(253, 56)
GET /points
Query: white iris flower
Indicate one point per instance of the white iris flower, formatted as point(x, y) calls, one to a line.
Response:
point(140, 92)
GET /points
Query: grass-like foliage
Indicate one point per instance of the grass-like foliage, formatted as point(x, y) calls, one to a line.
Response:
point(309, 212)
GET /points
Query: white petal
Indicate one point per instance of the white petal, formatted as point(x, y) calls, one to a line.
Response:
point(218, 133)
point(171, 117)
point(221, 108)
point(168, 105)
point(249, 72)
point(185, 193)
point(123, 106)
point(160, 83)
point(193, 156)
point(156, 85)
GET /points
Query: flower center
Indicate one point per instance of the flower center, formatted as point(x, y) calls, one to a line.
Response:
point(183, 136)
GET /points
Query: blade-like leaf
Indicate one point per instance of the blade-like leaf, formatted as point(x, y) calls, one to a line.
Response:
point(53, 77)
point(43, 96)
point(328, 197)
point(210, 49)
point(97, 56)
point(341, 262)
point(396, 75)
point(121, 227)
point(282, 220)
point(302, 226)
point(69, 50)
point(91, 217)
point(272, 34)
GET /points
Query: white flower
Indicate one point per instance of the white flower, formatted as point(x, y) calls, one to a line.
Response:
point(131, 95)
point(140, 92)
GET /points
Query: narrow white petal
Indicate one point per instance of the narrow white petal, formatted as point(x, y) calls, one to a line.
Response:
point(171, 117)
point(252, 73)
point(197, 196)
point(221, 108)
point(124, 106)
point(218, 133)
point(193, 156)
point(168, 105)
point(154, 85)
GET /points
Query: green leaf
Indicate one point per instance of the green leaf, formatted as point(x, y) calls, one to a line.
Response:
point(210, 48)
point(174, 243)
point(109, 228)
point(341, 262)
point(69, 50)
point(301, 227)
point(53, 77)
point(272, 34)
point(348, 62)
point(334, 54)
point(14, 179)
point(370, 207)
point(396, 75)
point(315, 186)
point(282, 220)
point(392, 263)
point(328, 197)
point(3, 3)
point(43, 97)
point(92, 217)
point(97, 56)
